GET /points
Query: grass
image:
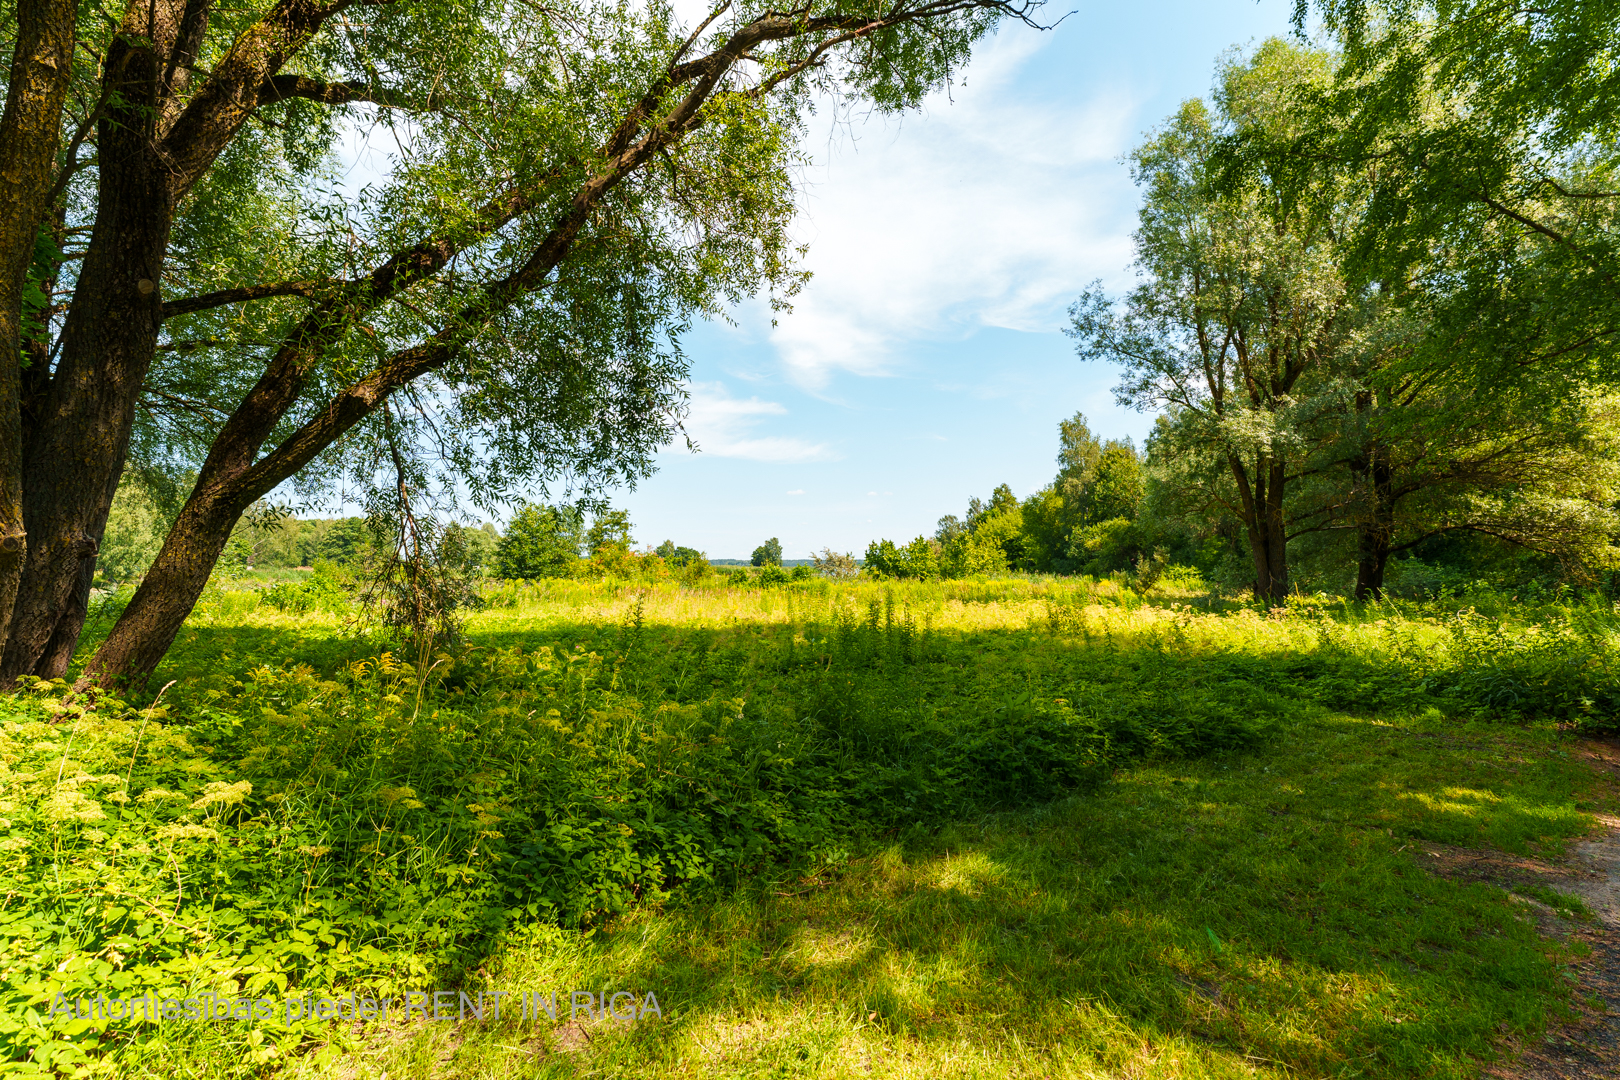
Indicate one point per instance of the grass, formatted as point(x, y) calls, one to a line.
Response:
point(1241, 898)
point(1234, 917)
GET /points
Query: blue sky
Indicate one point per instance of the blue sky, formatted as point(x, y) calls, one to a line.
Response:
point(925, 363)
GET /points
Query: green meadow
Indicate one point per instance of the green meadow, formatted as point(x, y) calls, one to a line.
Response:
point(1002, 828)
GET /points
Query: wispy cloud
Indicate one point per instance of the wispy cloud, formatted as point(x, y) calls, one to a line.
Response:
point(724, 426)
point(992, 208)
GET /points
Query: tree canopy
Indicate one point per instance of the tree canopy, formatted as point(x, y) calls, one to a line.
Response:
point(499, 311)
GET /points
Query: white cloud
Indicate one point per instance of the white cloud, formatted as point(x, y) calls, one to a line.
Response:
point(723, 426)
point(797, 491)
point(994, 207)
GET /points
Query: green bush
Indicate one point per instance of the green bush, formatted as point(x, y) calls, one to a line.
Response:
point(327, 589)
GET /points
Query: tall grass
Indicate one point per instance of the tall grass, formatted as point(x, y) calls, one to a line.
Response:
point(301, 809)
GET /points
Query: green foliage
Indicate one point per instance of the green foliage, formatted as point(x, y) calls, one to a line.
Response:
point(135, 529)
point(540, 542)
point(385, 822)
point(271, 827)
point(919, 560)
point(1493, 129)
point(830, 564)
point(768, 554)
point(1118, 484)
point(329, 588)
point(1106, 546)
point(679, 556)
point(36, 301)
point(609, 534)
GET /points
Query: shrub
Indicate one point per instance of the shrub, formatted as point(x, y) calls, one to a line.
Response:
point(830, 564)
point(328, 589)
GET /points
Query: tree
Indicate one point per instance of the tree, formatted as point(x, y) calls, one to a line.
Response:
point(609, 532)
point(830, 564)
point(1485, 132)
point(1303, 397)
point(768, 554)
point(1117, 487)
point(343, 541)
point(679, 556)
point(134, 532)
point(1241, 304)
point(574, 186)
point(540, 542)
point(1078, 449)
point(473, 549)
point(917, 560)
point(37, 84)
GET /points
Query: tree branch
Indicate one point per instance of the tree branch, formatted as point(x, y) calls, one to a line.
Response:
point(189, 304)
point(285, 87)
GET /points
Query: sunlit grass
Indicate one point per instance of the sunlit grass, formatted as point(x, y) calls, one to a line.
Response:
point(1260, 915)
point(1255, 913)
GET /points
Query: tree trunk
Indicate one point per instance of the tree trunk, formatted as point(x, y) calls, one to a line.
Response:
point(167, 594)
point(1275, 535)
point(1376, 528)
point(74, 453)
point(1262, 508)
point(41, 72)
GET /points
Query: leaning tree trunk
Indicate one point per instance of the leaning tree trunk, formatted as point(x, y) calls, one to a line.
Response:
point(168, 592)
point(41, 71)
point(74, 451)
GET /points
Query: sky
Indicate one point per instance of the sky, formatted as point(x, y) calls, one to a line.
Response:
point(925, 363)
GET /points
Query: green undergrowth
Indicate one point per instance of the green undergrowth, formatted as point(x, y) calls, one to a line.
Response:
point(1238, 915)
point(301, 812)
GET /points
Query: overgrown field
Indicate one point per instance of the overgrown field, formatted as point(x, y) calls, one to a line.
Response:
point(1020, 827)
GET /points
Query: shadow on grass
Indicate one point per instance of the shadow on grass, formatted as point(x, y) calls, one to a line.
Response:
point(1210, 917)
point(1227, 917)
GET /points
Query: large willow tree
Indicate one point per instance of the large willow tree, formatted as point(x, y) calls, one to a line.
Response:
point(203, 278)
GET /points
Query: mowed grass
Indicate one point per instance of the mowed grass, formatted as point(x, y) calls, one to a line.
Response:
point(1260, 913)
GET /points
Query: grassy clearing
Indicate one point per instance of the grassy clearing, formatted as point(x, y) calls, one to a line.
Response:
point(837, 830)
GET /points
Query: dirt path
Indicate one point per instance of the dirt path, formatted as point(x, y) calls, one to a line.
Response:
point(1588, 1048)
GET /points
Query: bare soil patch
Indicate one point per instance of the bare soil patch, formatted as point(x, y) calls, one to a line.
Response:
point(1589, 1047)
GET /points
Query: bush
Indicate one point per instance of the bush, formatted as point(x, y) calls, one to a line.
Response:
point(327, 589)
point(830, 564)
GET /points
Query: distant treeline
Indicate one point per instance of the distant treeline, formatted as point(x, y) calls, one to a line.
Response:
point(538, 542)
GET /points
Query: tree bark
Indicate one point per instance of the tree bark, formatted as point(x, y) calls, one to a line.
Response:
point(74, 455)
point(1376, 529)
point(1262, 511)
point(30, 130)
